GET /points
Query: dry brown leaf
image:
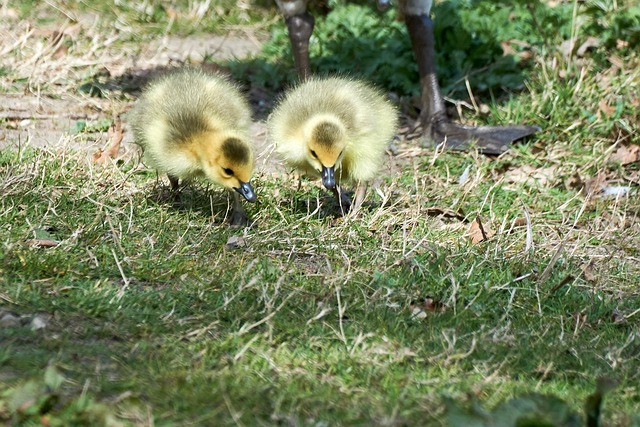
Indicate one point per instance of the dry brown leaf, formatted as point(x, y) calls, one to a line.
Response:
point(519, 222)
point(115, 135)
point(594, 185)
point(447, 213)
point(574, 182)
point(478, 233)
point(507, 49)
point(626, 155)
point(41, 243)
point(605, 108)
point(531, 175)
point(60, 51)
point(588, 272)
point(590, 43)
point(621, 44)
point(616, 61)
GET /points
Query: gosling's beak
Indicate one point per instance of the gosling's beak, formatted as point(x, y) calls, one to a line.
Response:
point(247, 191)
point(328, 177)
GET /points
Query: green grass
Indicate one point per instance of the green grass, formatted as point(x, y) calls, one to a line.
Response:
point(312, 319)
point(152, 318)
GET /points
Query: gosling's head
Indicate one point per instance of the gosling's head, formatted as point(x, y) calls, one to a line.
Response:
point(326, 141)
point(232, 166)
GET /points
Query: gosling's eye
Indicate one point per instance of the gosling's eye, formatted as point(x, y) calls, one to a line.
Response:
point(228, 171)
point(313, 153)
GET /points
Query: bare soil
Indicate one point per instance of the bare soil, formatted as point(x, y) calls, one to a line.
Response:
point(47, 120)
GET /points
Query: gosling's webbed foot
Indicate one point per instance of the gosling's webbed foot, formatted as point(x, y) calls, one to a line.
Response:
point(239, 218)
point(486, 139)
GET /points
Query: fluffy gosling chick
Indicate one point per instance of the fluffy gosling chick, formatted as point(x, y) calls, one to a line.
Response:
point(334, 128)
point(190, 124)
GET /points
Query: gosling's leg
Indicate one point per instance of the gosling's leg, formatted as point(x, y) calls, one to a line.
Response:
point(239, 217)
point(174, 181)
point(437, 126)
point(343, 200)
point(300, 26)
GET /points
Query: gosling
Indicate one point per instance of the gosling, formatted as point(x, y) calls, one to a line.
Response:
point(335, 128)
point(190, 124)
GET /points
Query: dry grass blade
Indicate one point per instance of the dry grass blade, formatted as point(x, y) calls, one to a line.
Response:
point(529, 239)
point(554, 259)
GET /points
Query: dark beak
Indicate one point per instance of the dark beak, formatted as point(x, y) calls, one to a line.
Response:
point(328, 177)
point(247, 191)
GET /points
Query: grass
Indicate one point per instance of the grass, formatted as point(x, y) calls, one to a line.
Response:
point(157, 313)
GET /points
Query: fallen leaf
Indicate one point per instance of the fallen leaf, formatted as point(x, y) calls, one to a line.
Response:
point(417, 312)
point(41, 243)
point(605, 108)
point(478, 233)
point(115, 135)
point(594, 185)
point(9, 320)
point(574, 182)
point(613, 191)
point(507, 49)
point(527, 174)
point(590, 43)
point(235, 242)
point(465, 176)
point(627, 154)
point(40, 321)
point(447, 213)
point(60, 51)
point(519, 222)
point(616, 61)
point(587, 271)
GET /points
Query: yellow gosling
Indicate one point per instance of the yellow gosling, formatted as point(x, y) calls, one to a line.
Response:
point(335, 128)
point(191, 123)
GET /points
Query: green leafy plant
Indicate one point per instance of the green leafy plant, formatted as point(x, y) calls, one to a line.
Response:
point(42, 400)
point(530, 410)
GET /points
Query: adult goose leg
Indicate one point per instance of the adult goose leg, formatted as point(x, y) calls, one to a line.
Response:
point(300, 26)
point(436, 124)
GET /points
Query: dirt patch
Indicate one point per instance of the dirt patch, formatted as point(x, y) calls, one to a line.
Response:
point(61, 116)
